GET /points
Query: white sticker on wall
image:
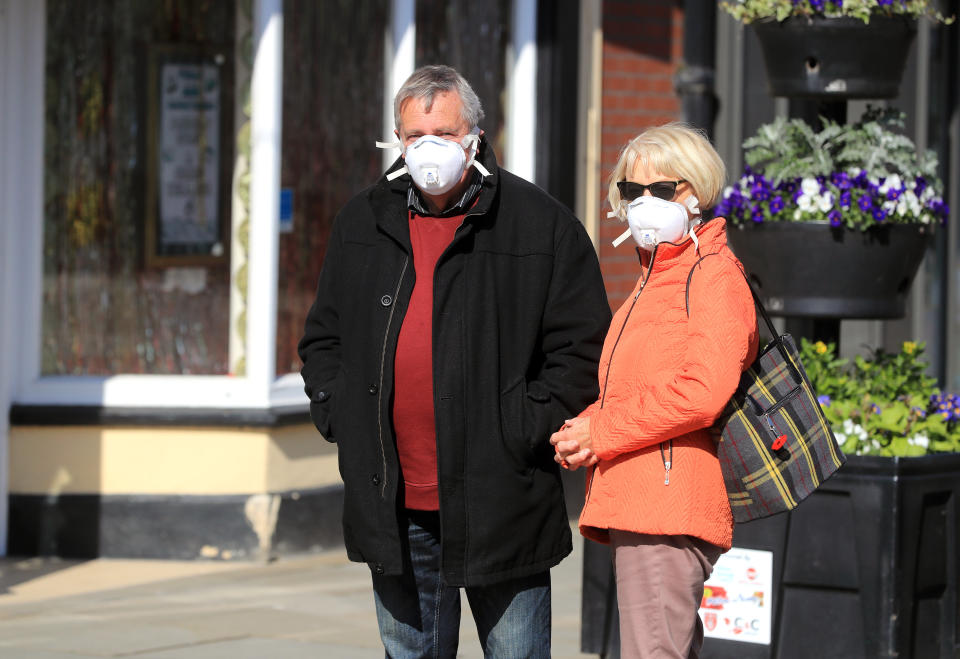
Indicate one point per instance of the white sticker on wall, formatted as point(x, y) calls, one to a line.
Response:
point(736, 603)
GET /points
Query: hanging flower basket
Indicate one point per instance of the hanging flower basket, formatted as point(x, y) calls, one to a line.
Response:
point(835, 58)
point(815, 270)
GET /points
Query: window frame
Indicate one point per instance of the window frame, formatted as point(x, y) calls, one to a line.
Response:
point(259, 387)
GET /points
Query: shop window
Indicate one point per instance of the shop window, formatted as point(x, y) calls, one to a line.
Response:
point(138, 154)
point(333, 84)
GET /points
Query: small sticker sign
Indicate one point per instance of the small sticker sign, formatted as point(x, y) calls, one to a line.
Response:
point(736, 600)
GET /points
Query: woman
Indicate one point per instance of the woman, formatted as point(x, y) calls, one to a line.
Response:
point(671, 360)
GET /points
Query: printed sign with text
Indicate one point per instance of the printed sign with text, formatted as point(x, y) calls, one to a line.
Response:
point(736, 600)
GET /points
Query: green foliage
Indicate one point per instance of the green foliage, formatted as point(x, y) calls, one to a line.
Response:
point(788, 149)
point(748, 11)
point(883, 405)
point(857, 175)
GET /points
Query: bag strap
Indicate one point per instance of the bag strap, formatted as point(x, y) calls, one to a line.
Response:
point(777, 338)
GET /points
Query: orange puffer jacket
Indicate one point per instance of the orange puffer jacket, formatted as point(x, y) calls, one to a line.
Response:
point(664, 378)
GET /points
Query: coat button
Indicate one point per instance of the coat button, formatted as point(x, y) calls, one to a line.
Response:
point(321, 396)
point(386, 300)
point(375, 479)
point(373, 389)
point(378, 568)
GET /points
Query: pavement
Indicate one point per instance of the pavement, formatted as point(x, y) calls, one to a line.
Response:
point(318, 606)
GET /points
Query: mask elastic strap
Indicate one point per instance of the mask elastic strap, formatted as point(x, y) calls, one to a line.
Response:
point(397, 173)
point(693, 236)
point(473, 140)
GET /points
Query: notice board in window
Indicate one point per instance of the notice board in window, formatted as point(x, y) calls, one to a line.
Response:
point(188, 156)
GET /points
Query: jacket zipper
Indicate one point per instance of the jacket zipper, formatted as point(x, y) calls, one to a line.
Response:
point(606, 377)
point(383, 357)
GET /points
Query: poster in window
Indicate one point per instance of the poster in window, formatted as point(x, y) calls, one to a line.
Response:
point(187, 157)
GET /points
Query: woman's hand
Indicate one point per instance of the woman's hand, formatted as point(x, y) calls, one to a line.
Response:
point(572, 444)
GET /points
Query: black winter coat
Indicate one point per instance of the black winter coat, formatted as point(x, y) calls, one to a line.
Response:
point(519, 318)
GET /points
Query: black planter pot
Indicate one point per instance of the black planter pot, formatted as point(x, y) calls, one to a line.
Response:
point(813, 270)
point(866, 567)
point(835, 58)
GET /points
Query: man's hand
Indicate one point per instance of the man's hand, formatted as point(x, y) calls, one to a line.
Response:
point(572, 445)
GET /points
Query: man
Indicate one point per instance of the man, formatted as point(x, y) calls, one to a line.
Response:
point(458, 322)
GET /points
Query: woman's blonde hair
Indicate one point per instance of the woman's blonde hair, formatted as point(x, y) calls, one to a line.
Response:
point(679, 151)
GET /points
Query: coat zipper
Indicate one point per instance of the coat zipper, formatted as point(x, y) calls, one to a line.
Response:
point(606, 377)
point(383, 357)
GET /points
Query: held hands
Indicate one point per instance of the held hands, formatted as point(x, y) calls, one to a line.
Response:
point(572, 444)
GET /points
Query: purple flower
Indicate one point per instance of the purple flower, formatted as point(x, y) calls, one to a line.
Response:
point(836, 219)
point(894, 193)
point(865, 203)
point(760, 190)
point(776, 205)
point(824, 400)
point(817, 4)
point(757, 215)
point(845, 198)
point(879, 214)
point(885, 3)
point(921, 185)
point(841, 180)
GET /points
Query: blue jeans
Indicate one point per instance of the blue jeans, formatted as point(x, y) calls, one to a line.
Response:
point(419, 616)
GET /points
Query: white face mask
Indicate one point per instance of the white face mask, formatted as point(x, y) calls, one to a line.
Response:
point(653, 221)
point(436, 165)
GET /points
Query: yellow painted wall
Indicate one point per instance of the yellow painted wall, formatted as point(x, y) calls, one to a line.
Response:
point(166, 461)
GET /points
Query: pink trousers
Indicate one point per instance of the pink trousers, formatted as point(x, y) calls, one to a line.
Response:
point(659, 587)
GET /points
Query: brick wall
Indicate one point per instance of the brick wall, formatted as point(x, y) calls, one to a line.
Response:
point(642, 47)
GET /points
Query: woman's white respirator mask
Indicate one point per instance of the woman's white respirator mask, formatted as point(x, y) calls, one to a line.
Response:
point(653, 221)
point(436, 165)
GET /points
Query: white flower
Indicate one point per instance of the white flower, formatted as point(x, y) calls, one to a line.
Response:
point(920, 440)
point(806, 203)
point(809, 186)
point(892, 182)
point(825, 201)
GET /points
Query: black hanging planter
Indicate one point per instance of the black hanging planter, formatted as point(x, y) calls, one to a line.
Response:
point(814, 270)
point(835, 58)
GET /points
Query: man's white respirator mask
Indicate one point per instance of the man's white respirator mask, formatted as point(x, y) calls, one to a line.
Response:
point(435, 164)
point(653, 220)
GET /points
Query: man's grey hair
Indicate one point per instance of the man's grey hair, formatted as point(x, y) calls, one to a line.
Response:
point(428, 81)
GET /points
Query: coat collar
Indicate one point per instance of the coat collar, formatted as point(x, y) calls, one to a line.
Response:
point(712, 236)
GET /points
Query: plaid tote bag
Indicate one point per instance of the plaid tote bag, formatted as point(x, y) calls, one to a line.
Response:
point(775, 446)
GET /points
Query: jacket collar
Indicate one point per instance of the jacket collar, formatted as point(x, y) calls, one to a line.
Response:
point(388, 199)
point(712, 236)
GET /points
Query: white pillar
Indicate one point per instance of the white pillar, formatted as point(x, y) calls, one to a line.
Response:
point(520, 157)
point(265, 120)
point(22, 39)
point(399, 62)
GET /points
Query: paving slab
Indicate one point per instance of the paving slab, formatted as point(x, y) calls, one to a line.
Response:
point(316, 606)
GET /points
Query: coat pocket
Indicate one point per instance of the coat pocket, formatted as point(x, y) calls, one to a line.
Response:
point(323, 407)
point(512, 427)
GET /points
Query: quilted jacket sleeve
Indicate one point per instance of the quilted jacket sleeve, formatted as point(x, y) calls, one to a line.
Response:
point(721, 338)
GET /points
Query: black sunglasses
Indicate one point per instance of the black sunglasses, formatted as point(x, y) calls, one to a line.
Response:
point(661, 189)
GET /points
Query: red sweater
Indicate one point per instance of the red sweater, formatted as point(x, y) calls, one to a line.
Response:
point(413, 414)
